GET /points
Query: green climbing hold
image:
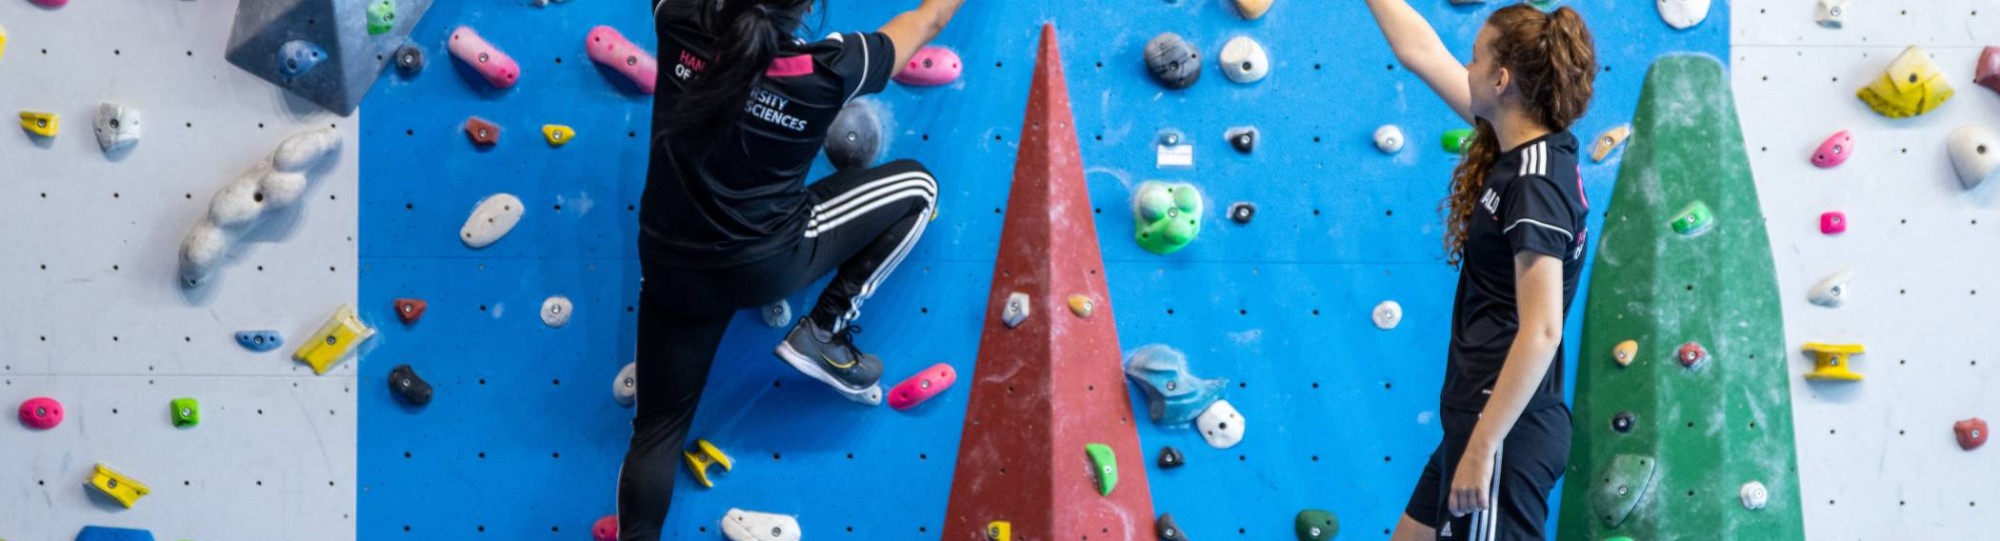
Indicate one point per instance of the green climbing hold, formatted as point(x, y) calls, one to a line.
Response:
point(1694, 220)
point(1454, 141)
point(1623, 485)
point(381, 17)
point(1167, 216)
point(1317, 525)
point(186, 412)
point(1545, 5)
point(1105, 463)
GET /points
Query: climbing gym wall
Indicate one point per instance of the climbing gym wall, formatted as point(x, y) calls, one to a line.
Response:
point(98, 319)
point(1878, 458)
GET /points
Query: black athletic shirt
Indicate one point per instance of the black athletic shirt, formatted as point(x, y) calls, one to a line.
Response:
point(739, 198)
point(1533, 202)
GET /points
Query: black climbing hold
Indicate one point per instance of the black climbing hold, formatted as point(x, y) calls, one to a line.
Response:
point(1622, 422)
point(854, 140)
point(404, 381)
point(1242, 212)
point(1167, 529)
point(1173, 61)
point(410, 58)
point(1242, 139)
point(1171, 458)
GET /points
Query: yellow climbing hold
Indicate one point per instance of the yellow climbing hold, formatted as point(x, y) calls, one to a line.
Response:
point(41, 123)
point(557, 134)
point(706, 454)
point(3, 54)
point(1911, 86)
point(1081, 305)
point(1252, 9)
point(118, 486)
point(1625, 352)
point(1830, 361)
point(999, 530)
point(334, 340)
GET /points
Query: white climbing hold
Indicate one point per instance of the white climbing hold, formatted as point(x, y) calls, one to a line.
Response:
point(1754, 495)
point(1388, 315)
point(117, 126)
point(1016, 310)
point(1220, 425)
point(1683, 14)
point(1389, 139)
point(776, 315)
point(1244, 60)
point(269, 185)
point(740, 525)
point(625, 389)
point(1831, 13)
point(1975, 154)
point(493, 218)
point(555, 311)
point(1831, 291)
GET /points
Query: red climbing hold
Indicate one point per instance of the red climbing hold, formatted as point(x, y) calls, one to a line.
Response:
point(606, 529)
point(922, 386)
point(1971, 433)
point(410, 309)
point(483, 133)
point(1692, 354)
point(1989, 69)
point(41, 413)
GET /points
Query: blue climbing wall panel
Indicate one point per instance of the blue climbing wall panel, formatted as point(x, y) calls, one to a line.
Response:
point(524, 439)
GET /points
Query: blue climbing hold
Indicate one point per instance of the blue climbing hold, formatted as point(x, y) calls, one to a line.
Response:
point(100, 533)
point(1173, 395)
point(260, 340)
point(296, 57)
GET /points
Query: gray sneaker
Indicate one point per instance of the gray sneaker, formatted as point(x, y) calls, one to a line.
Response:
point(832, 359)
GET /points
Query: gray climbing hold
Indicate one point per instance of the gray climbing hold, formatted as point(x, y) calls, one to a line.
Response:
point(1167, 529)
point(1975, 155)
point(1173, 61)
point(855, 139)
point(352, 57)
point(1016, 310)
point(1242, 212)
point(1243, 139)
point(410, 59)
point(776, 315)
point(1244, 60)
point(1622, 422)
point(1174, 396)
point(1171, 458)
point(117, 127)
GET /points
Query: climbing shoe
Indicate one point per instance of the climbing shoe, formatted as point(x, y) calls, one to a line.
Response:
point(831, 358)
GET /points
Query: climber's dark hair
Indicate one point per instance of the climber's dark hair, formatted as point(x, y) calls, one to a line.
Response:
point(748, 36)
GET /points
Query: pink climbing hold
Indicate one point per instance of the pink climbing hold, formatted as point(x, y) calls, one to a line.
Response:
point(606, 529)
point(1988, 74)
point(1834, 151)
point(41, 413)
point(498, 68)
point(932, 66)
point(50, 3)
point(922, 386)
point(1833, 223)
point(610, 48)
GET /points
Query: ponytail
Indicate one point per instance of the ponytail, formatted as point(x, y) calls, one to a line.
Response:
point(751, 33)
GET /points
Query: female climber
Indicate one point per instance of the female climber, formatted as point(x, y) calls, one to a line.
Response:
point(729, 222)
point(1514, 225)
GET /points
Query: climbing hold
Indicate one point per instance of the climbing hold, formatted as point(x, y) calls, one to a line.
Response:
point(1831, 291)
point(296, 57)
point(118, 486)
point(1986, 75)
point(1971, 433)
point(1243, 138)
point(1081, 305)
point(1624, 352)
point(1105, 464)
point(334, 340)
point(482, 132)
point(41, 413)
point(1171, 458)
point(1167, 216)
point(117, 126)
point(999, 530)
point(41, 123)
point(1016, 310)
point(1912, 85)
point(1170, 137)
point(50, 3)
point(1692, 354)
point(625, 388)
point(492, 219)
point(1168, 530)
point(606, 528)
point(1455, 141)
point(740, 525)
point(922, 386)
point(776, 315)
point(1221, 425)
point(932, 66)
point(1683, 14)
point(1694, 220)
point(186, 412)
point(410, 309)
point(404, 381)
point(1174, 150)
point(1831, 13)
point(1623, 421)
point(555, 311)
point(705, 454)
point(1627, 481)
point(3, 42)
point(498, 68)
point(1174, 396)
point(1389, 139)
point(1834, 151)
point(1252, 9)
point(1831, 361)
point(259, 341)
point(381, 17)
point(1975, 155)
point(1244, 60)
point(558, 134)
point(1173, 61)
point(410, 58)
point(1316, 525)
point(268, 186)
point(1754, 495)
point(854, 140)
point(1609, 141)
point(1832, 223)
point(1387, 315)
point(609, 48)
point(1242, 212)
point(101, 533)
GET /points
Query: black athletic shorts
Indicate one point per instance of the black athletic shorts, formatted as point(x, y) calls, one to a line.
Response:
point(1531, 460)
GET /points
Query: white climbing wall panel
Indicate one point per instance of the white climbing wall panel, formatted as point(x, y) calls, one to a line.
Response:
point(96, 320)
point(1877, 458)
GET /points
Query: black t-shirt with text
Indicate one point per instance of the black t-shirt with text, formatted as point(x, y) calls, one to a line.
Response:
point(737, 198)
point(1533, 201)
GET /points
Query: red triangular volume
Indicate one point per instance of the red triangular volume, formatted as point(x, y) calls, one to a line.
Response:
point(1048, 387)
